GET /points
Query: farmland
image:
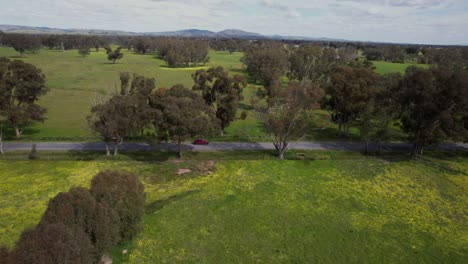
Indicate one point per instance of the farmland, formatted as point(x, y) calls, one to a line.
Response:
point(333, 207)
point(77, 83)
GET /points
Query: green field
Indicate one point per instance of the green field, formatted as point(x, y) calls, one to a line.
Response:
point(77, 83)
point(337, 208)
point(384, 67)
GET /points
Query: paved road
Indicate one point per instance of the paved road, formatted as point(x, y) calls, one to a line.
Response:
point(219, 146)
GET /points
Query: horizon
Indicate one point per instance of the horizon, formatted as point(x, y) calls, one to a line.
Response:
point(410, 21)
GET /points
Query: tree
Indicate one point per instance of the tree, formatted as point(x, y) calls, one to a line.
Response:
point(221, 92)
point(53, 243)
point(348, 93)
point(266, 63)
point(52, 42)
point(117, 118)
point(2, 36)
point(180, 114)
point(84, 51)
point(21, 85)
point(124, 193)
point(395, 54)
point(114, 55)
point(22, 43)
point(286, 116)
point(183, 52)
point(434, 106)
point(141, 45)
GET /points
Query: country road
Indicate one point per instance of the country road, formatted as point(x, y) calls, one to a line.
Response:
point(221, 146)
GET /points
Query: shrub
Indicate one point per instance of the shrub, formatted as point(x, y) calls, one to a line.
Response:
point(124, 193)
point(78, 209)
point(53, 243)
point(33, 153)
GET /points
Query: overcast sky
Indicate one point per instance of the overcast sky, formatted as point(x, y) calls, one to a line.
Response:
point(413, 21)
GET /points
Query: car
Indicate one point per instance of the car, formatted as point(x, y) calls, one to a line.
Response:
point(200, 141)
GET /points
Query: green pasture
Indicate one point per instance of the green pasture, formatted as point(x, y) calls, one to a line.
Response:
point(77, 83)
point(332, 207)
point(385, 67)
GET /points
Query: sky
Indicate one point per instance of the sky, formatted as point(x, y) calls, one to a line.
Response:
point(400, 21)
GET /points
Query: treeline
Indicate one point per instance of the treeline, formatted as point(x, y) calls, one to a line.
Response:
point(183, 52)
point(176, 114)
point(83, 225)
point(418, 54)
point(429, 105)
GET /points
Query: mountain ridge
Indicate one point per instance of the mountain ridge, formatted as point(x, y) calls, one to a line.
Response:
point(227, 33)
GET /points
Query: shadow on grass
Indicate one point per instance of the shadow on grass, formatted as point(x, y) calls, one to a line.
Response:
point(159, 204)
point(9, 133)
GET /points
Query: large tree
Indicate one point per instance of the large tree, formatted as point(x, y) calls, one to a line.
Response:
point(221, 92)
point(286, 115)
point(21, 85)
point(348, 92)
point(266, 62)
point(118, 118)
point(181, 114)
point(434, 105)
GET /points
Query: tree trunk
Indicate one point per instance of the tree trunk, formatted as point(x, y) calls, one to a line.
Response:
point(179, 150)
point(107, 149)
point(340, 125)
point(1, 139)
point(116, 149)
point(282, 149)
point(347, 130)
point(18, 132)
point(417, 149)
point(366, 148)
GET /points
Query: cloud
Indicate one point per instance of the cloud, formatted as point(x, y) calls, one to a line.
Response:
point(426, 21)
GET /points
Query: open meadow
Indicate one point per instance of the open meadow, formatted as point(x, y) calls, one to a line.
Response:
point(332, 207)
point(77, 83)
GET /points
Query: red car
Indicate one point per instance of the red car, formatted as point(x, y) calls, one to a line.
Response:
point(201, 141)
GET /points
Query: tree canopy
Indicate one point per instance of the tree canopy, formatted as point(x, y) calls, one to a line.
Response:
point(21, 85)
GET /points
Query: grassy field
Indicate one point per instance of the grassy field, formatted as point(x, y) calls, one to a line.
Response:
point(77, 83)
point(336, 208)
point(384, 67)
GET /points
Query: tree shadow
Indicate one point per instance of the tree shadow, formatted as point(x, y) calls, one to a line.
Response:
point(246, 107)
point(9, 133)
point(160, 204)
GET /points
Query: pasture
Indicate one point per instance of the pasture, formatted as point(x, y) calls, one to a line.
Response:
point(385, 67)
point(77, 83)
point(336, 207)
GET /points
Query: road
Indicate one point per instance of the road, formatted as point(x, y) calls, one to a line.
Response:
point(220, 146)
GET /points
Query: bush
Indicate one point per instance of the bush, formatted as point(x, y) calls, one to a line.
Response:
point(78, 209)
point(53, 243)
point(124, 193)
point(4, 255)
point(33, 153)
point(79, 226)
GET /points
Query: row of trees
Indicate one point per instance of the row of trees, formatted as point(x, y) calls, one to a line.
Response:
point(174, 114)
point(356, 96)
point(416, 54)
point(270, 61)
point(183, 52)
point(81, 225)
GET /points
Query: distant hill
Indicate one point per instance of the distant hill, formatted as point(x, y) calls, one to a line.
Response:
point(189, 33)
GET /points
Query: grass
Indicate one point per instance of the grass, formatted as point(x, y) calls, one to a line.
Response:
point(77, 83)
point(385, 67)
point(333, 207)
